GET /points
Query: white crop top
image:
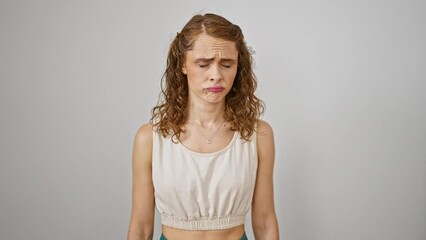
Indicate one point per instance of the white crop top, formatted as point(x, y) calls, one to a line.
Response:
point(203, 191)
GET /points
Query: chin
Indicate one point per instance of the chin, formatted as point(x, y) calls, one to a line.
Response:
point(215, 100)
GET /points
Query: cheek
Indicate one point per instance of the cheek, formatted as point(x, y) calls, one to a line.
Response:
point(195, 74)
point(195, 80)
point(231, 75)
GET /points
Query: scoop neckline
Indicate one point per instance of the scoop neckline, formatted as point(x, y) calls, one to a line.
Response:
point(207, 154)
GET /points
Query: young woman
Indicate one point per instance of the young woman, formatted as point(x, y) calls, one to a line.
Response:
point(205, 158)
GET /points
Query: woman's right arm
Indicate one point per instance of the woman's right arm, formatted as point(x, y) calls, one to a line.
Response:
point(141, 225)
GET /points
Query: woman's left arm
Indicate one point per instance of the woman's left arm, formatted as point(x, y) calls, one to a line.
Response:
point(264, 219)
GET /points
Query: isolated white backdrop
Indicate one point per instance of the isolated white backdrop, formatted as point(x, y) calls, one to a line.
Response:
point(343, 82)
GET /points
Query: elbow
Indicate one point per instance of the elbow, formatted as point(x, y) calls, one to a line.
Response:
point(141, 231)
point(132, 235)
point(266, 228)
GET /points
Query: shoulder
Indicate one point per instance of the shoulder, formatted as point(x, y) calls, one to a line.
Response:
point(265, 138)
point(263, 130)
point(143, 136)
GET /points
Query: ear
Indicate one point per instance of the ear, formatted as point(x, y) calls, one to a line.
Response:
point(183, 70)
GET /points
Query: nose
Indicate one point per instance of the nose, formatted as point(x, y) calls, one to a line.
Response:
point(215, 74)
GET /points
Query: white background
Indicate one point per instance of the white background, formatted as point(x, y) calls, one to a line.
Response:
point(343, 82)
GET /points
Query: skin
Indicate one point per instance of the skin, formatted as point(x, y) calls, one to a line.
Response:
point(205, 117)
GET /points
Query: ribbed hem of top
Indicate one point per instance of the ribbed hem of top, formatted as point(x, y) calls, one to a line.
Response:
point(202, 223)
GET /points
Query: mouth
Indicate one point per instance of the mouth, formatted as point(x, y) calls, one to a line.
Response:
point(215, 89)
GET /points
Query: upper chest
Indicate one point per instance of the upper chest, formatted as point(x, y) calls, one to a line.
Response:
point(201, 142)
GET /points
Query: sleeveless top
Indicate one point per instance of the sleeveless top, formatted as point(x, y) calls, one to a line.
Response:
point(203, 191)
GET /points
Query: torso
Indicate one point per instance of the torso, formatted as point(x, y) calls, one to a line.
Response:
point(197, 141)
point(234, 233)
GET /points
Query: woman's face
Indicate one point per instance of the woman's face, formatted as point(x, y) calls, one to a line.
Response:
point(210, 67)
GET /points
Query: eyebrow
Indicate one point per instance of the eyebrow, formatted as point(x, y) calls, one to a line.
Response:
point(211, 59)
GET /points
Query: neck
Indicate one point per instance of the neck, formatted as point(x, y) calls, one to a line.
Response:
point(205, 114)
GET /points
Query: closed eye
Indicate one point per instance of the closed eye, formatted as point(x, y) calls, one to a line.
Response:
point(227, 63)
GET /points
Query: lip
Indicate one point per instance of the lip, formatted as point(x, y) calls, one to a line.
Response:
point(215, 89)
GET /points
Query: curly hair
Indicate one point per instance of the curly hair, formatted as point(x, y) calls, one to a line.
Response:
point(242, 108)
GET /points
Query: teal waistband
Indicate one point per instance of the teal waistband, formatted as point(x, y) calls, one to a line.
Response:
point(244, 237)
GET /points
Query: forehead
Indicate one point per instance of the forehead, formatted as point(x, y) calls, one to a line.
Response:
point(210, 47)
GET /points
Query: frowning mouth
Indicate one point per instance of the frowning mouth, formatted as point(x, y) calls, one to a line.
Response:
point(215, 89)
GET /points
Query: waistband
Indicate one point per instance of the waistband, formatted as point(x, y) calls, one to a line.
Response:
point(244, 237)
point(202, 223)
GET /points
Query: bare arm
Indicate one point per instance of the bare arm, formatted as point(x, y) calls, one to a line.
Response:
point(141, 225)
point(264, 220)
